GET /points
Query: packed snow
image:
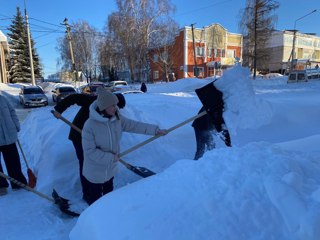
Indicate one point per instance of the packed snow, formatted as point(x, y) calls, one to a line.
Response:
point(266, 186)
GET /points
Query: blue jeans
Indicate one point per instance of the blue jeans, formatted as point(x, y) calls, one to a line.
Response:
point(205, 142)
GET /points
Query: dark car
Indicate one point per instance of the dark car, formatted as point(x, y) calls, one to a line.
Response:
point(32, 96)
point(91, 88)
point(62, 92)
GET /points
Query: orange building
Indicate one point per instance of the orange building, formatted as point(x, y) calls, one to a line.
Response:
point(216, 49)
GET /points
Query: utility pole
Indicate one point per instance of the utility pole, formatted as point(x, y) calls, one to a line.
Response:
point(71, 50)
point(30, 47)
point(196, 72)
point(293, 51)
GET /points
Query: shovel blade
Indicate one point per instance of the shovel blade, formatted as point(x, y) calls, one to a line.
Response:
point(141, 171)
point(32, 180)
point(211, 99)
point(63, 204)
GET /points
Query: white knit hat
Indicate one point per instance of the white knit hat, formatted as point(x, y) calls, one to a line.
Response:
point(105, 98)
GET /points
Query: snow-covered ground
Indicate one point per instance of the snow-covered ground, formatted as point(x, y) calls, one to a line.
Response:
point(267, 186)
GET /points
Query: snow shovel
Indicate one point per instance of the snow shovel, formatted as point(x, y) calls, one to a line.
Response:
point(141, 171)
point(62, 203)
point(211, 99)
point(32, 180)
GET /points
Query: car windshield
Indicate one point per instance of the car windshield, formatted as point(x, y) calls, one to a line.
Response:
point(32, 91)
point(66, 89)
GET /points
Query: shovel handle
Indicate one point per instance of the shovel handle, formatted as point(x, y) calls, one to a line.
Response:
point(24, 157)
point(26, 187)
point(157, 136)
point(144, 142)
point(68, 122)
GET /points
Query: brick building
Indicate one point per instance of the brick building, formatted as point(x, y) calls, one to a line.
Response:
point(216, 49)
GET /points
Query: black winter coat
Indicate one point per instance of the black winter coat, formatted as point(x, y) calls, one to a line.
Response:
point(204, 123)
point(84, 101)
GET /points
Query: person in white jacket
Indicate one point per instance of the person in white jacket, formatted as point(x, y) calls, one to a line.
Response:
point(101, 136)
point(9, 128)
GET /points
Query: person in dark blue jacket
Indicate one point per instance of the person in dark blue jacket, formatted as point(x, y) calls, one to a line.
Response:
point(84, 101)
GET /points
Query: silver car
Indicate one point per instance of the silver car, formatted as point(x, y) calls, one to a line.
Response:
point(32, 96)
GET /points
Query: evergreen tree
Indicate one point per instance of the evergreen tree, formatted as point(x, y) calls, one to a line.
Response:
point(20, 70)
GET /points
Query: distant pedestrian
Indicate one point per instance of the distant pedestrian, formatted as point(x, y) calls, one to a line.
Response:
point(9, 128)
point(84, 101)
point(143, 87)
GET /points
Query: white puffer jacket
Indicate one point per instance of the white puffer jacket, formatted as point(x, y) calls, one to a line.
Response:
point(101, 141)
point(9, 123)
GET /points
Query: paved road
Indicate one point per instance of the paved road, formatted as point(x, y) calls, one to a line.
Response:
point(20, 110)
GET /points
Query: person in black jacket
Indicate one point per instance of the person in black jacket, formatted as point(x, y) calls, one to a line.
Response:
point(83, 100)
point(143, 87)
point(204, 127)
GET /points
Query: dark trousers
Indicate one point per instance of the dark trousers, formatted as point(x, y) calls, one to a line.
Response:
point(95, 191)
point(204, 141)
point(79, 152)
point(12, 160)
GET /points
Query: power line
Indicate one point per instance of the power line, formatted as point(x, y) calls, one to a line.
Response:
point(47, 23)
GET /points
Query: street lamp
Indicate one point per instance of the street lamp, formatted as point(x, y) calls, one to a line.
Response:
point(295, 36)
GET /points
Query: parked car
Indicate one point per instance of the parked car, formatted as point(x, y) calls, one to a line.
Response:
point(114, 86)
point(126, 90)
point(91, 88)
point(62, 92)
point(304, 75)
point(32, 96)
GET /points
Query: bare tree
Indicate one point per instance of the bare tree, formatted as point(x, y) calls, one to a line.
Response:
point(257, 24)
point(161, 44)
point(132, 26)
point(85, 41)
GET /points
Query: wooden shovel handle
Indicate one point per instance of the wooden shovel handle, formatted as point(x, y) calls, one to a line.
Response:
point(144, 142)
point(24, 157)
point(26, 187)
point(157, 136)
point(68, 122)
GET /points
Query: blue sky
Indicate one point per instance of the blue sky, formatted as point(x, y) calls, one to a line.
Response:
point(46, 18)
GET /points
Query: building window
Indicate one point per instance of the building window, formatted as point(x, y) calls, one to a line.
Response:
point(223, 53)
point(155, 74)
point(200, 51)
point(209, 52)
point(231, 53)
point(210, 71)
point(215, 52)
point(200, 71)
point(155, 58)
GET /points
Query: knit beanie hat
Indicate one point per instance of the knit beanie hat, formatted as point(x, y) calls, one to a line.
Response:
point(105, 98)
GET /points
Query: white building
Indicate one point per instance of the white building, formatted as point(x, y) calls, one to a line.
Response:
point(4, 58)
point(307, 47)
